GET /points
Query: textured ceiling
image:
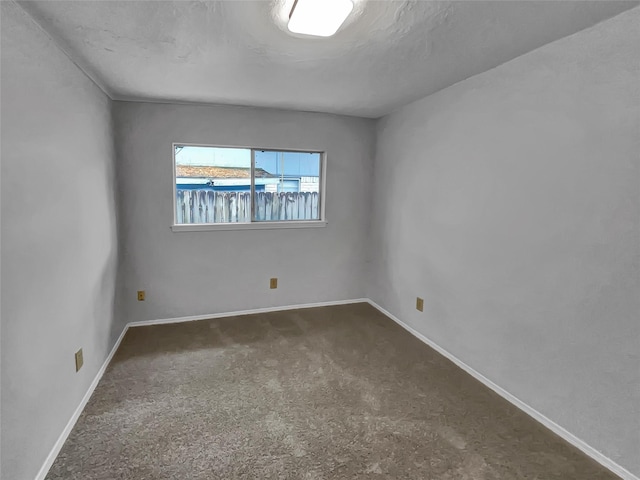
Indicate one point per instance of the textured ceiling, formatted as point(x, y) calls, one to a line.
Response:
point(239, 52)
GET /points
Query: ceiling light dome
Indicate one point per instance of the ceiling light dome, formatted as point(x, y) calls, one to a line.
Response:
point(318, 18)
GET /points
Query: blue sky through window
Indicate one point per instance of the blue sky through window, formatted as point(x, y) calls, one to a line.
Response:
point(213, 156)
point(299, 164)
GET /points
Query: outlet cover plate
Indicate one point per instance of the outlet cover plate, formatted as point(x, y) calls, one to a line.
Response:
point(79, 360)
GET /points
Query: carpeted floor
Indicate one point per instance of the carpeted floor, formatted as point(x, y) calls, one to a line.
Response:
point(325, 393)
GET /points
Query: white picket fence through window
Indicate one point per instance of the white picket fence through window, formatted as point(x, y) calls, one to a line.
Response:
point(208, 206)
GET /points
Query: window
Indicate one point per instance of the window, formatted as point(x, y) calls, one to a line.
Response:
point(231, 187)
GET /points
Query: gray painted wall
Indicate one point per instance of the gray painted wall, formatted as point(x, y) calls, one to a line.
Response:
point(509, 201)
point(58, 240)
point(192, 273)
point(512, 206)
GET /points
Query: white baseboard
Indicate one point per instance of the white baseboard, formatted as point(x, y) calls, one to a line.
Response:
point(76, 414)
point(539, 417)
point(554, 427)
point(162, 321)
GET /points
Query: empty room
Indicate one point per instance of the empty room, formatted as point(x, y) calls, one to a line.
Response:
point(320, 239)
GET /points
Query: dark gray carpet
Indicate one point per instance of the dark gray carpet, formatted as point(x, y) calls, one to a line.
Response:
point(325, 393)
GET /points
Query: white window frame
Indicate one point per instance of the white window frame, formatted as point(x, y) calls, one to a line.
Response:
point(253, 225)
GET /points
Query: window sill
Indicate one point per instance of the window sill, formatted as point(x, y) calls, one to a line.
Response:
point(200, 227)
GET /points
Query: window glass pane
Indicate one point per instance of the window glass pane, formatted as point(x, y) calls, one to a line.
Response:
point(287, 186)
point(213, 184)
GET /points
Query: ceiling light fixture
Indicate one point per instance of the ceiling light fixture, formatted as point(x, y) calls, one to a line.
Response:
point(320, 18)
